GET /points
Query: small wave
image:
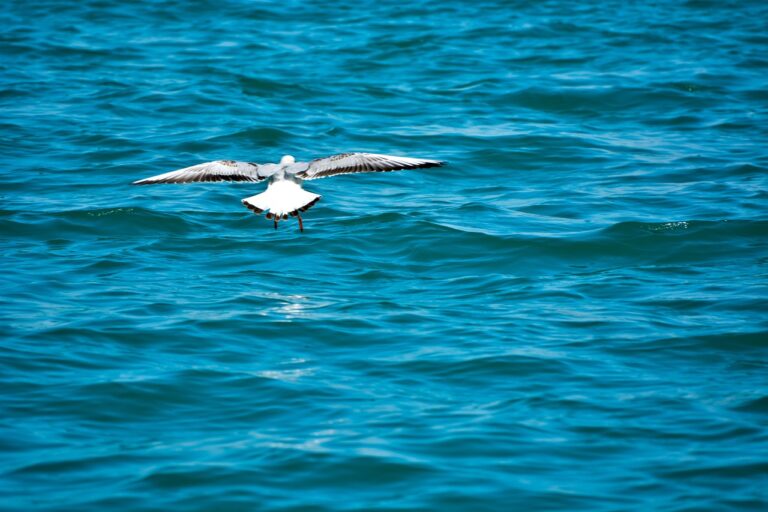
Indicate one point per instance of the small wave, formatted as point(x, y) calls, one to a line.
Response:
point(255, 136)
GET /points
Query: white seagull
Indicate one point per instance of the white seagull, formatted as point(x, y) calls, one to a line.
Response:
point(284, 195)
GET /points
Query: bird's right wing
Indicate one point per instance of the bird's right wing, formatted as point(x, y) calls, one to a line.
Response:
point(220, 170)
point(361, 162)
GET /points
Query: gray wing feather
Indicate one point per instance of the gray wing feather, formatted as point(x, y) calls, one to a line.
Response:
point(361, 162)
point(220, 170)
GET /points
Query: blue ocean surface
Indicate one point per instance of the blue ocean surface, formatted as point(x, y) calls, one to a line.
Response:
point(570, 315)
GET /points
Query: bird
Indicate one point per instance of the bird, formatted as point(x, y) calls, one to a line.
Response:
point(285, 195)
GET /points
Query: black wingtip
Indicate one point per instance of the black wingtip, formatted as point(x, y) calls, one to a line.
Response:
point(255, 210)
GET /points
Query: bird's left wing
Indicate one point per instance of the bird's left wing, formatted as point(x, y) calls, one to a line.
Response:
point(220, 170)
point(361, 162)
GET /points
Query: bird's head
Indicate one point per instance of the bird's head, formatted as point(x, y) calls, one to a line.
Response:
point(287, 160)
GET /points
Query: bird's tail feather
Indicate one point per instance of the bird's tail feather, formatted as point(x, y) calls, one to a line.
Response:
point(281, 199)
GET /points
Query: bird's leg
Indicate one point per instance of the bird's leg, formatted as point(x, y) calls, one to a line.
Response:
point(275, 222)
point(301, 224)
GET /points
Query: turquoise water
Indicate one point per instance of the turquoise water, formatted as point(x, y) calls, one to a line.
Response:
point(569, 316)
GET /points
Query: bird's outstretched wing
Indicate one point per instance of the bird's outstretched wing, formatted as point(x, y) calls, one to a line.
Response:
point(220, 170)
point(361, 162)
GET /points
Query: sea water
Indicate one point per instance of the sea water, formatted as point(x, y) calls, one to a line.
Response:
point(571, 315)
